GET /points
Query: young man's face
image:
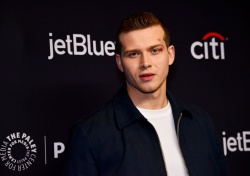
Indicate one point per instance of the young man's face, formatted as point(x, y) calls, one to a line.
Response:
point(145, 59)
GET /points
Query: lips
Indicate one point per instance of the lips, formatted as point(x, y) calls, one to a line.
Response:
point(147, 76)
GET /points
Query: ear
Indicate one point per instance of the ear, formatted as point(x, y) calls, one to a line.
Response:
point(119, 62)
point(171, 54)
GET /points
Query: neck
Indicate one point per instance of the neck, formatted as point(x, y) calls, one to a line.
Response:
point(153, 100)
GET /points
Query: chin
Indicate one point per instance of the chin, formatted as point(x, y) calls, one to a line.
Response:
point(148, 90)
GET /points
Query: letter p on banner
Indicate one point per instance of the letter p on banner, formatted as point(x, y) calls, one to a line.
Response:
point(59, 147)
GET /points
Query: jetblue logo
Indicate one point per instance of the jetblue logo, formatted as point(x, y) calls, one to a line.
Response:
point(239, 142)
point(78, 44)
point(211, 47)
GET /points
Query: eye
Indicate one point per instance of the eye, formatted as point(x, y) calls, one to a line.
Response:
point(132, 54)
point(156, 50)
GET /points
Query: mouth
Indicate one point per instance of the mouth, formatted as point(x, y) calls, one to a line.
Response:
point(147, 76)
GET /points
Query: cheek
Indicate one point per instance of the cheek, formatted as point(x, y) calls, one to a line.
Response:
point(161, 63)
point(130, 67)
point(163, 68)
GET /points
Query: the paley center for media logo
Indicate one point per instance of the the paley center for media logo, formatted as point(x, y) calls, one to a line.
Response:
point(211, 46)
point(18, 151)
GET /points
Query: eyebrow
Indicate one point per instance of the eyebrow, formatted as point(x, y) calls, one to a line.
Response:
point(154, 46)
point(137, 50)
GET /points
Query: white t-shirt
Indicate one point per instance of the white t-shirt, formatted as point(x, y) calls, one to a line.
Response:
point(163, 122)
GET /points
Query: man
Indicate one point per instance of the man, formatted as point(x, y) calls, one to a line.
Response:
point(144, 130)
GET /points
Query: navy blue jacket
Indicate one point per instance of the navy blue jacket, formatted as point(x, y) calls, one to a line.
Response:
point(118, 141)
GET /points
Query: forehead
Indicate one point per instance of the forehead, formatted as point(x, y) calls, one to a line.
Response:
point(142, 37)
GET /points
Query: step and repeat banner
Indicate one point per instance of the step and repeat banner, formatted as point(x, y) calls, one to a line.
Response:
point(57, 65)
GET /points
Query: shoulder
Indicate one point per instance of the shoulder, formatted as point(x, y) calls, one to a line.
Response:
point(202, 119)
point(199, 114)
point(101, 114)
point(196, 113)
point(96, 123)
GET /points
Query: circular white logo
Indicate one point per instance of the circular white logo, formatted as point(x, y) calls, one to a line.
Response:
point(18, 152)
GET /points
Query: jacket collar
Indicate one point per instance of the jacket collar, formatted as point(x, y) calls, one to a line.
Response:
point(127, 113)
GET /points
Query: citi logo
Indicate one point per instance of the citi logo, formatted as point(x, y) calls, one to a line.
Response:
point(211, 47)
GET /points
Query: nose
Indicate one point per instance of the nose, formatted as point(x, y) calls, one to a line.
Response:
point(145, 62)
